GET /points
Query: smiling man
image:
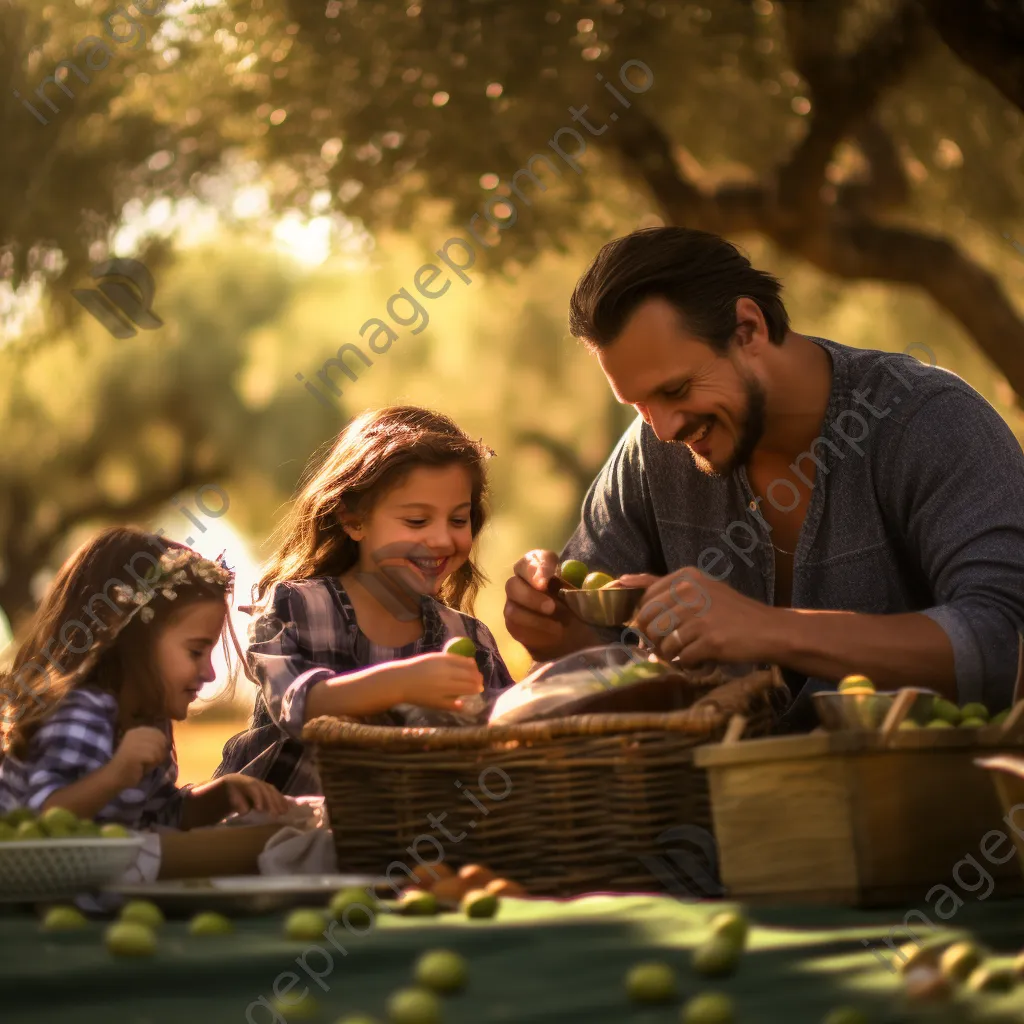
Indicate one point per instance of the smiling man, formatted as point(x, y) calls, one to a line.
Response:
point(786, 499)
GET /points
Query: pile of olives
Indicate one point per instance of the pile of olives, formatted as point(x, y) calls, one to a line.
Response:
point(577, 575)
point(934, 970)
point(21, 824)
point(945, 714)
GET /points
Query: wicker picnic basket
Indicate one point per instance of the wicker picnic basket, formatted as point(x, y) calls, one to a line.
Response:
point(563, 806)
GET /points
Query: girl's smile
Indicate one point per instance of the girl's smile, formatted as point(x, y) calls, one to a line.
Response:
point(421, 524)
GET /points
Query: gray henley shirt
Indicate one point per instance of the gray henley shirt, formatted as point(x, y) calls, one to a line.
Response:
point(917, 506)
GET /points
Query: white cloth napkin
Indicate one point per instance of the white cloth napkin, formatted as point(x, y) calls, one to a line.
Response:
point(303, 846)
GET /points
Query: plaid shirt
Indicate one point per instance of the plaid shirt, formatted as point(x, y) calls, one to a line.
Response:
point(309, 634)
point(77, 739)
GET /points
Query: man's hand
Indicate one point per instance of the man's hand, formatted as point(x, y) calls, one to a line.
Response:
point(140, 750)
point(544, 626)
point(688, 616)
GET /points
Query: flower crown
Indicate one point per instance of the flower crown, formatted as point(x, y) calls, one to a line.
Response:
point(176, 568)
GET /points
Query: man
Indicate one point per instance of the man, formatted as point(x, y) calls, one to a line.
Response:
point(785, 499)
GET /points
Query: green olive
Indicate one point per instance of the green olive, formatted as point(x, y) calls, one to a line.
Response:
point(939, 723)
point(716, 957)
point(58, 822)
point(28, 830)
point(732, 927)
point(305, 925)
point(709, 1008)
point(301, 1008)
point(209, 923)
point(856, 682)
point(63, 919)
point(129, 938)
point(597, 580)
point(418, 903)
point(359, 1018)
point(7, 832)
point(342, 903)
point(652, 983)
point(441, 970)
point(19, 814)
point(992, 978)
point(142, 912)
point(414, 1006)
point(112, 830)
point(959, 960)
point(973, 723)
point(1000, 718)
point(574, 572)
point(460, 645)
point(975, 709)
point(945, 710)
point(907, 725)
point(845, 1015)
point(479, 903)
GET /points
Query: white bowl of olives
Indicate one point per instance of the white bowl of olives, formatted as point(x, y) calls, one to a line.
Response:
point(55, 855)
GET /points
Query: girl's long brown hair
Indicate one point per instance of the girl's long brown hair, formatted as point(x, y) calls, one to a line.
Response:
point(374, 453)
point(78, 636)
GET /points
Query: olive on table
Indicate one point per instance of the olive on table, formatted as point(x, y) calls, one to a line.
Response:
point(348, 900)
point(129, 938)
point(303, 1007)
point(478, 903)
point(142, 912)
point(63, 919)
point(209, 923)
point(709, 1008)
point(652, 983)
point(441, 970)
point(716, 957)
point(731, 926)
point(305, 925)
point(414, 1006)
point(418, 903)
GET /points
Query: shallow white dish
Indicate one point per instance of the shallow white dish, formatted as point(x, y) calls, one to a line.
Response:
point(37, 870)
point(242, 894)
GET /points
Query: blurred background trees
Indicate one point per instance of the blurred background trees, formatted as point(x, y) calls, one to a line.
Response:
point(284, 166)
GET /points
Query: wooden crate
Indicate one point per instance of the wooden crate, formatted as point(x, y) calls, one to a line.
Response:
point(845, 818)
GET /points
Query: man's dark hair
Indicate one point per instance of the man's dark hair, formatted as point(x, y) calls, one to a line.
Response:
point(700, 274)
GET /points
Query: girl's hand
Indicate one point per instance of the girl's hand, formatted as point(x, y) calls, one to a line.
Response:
point(140, 750)
point(439, 680)
point(243, 794)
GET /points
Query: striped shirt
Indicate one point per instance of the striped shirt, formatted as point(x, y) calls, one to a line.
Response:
point(76, 739)
point(309, 634)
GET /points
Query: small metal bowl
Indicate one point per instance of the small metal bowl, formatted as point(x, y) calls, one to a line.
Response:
point(865, 712)
point(611, 607)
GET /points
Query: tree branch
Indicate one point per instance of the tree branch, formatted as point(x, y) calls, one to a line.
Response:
point(988, 37)
point(843, 89)
point(849, 244)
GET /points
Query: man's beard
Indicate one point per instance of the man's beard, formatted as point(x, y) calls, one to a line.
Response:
point(751, 432)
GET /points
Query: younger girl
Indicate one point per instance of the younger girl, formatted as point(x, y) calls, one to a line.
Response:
point(110, 659)
point(369, 583)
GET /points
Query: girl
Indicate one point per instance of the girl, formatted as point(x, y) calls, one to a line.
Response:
point(91, 732)
point(369, 583)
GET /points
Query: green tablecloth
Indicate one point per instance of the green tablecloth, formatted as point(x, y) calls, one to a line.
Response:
point(537, 961)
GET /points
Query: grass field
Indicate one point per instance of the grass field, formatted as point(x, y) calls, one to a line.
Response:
point(199, 742)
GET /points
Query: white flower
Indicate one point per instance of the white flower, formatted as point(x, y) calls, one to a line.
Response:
point(146, 614)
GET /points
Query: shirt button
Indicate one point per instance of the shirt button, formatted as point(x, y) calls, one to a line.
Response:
point(753, 506)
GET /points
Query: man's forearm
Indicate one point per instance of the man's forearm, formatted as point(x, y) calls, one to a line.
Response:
point(893, 650)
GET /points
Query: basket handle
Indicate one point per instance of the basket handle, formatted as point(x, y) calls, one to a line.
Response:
point(899, 710)
point(737, 724)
